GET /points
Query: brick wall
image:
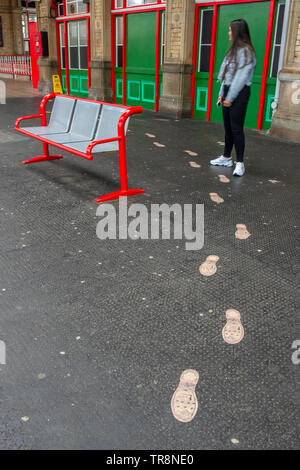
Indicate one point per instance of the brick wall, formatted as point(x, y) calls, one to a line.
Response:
point(7, 34)
point(10, 13)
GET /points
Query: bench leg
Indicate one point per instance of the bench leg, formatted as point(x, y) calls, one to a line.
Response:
point(43, 158)
point(117, 194)
point(124, 191)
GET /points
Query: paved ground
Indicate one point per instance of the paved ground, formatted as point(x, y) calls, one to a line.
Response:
point(130, 316)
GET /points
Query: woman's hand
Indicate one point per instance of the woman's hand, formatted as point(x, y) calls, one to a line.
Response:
point(227, 104)
point(220, 98)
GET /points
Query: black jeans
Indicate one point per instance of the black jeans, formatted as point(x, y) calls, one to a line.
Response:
point(234, 118)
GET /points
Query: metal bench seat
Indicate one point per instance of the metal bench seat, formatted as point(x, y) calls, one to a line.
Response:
point(60, 118)
point(84, 122)
point(107, 129)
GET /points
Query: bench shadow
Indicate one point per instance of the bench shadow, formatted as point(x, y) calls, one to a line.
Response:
point(78, 178)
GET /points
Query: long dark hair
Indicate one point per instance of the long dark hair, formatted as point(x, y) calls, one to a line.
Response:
point(240, 38)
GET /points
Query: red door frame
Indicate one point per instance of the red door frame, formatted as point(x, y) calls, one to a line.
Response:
point(65, 19)
point(216, 4)
point(158, 7)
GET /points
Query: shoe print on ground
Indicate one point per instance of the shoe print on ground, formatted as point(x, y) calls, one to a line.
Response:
point(216, 198)
point(158, 144)
point(150, 135)
point(223, 179)
point(192, 154)
point(209, 267)
point(184, 403)
point(233, 331)
point(194, 165)
point(242, 232)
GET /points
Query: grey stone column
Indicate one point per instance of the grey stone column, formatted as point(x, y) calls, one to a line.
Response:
point(286, 120)
point(177, 67)
point(48, 66)
point(17, 31)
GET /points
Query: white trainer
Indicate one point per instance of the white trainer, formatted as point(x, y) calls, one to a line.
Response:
point(239, 169)
point(222, 161)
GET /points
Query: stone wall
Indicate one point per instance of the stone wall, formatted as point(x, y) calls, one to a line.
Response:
point(10, 13)
point(286, 120)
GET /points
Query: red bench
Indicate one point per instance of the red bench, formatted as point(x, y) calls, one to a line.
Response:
point(81, 127)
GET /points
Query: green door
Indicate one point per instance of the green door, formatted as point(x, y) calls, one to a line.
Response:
point(140, 59)
point(256, 15)
point(203, 61)
point(77, 58)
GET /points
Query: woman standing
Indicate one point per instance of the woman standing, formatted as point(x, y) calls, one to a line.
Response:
point(236, 74)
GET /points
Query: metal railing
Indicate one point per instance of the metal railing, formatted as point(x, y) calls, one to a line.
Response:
point(16, 66)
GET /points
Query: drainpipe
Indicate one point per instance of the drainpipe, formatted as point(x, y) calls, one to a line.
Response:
point(282, 51)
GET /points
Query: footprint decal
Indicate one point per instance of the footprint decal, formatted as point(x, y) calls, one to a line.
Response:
point(158, 144)
point(209, 267)
point(233, 331)
point(194, 165)
point(184, 403)
point(192, 154)
point(242, 232)
point(216, 198)
point(223, 179)
point(152, 136)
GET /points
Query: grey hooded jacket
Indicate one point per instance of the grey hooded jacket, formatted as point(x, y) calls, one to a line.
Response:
point(243, 75)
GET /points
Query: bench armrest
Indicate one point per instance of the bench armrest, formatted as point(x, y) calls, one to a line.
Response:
point(17, 123)
point(42, 114)
point(97, 142)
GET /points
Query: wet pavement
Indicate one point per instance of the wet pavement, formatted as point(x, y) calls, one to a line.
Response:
point(98, 332)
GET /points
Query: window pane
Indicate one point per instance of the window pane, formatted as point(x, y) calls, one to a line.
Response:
point(73, 38)
point(83, 33)
point(132, 3)
point(83, 57)
point(275, 61)
point(119, 56)
point(61, 35)
point(63, 61)
point(118, 3)
point(207, 20)
point(120, 30)
point(279, 24)
point(73, 57)
point(204, 58)
point(81, 7)
point(71, 7)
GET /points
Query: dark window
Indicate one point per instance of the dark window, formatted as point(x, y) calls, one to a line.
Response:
point(83, 57)
point(276, 54)
point(207, 26)
point(205, 40)
point(205, 58)
point(277, 41)
point(74, 58)
point(63, 65)
point(279, 24)
point(119, 56)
